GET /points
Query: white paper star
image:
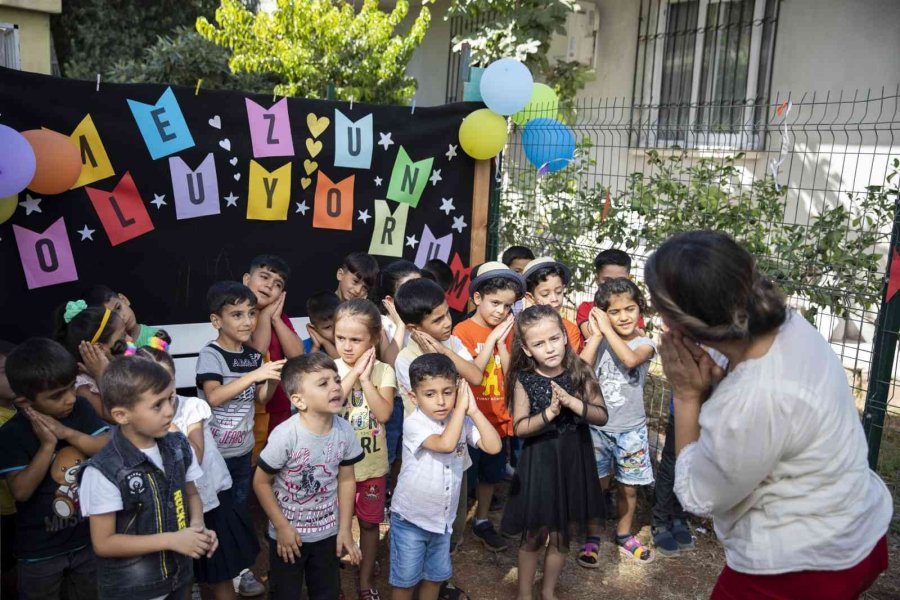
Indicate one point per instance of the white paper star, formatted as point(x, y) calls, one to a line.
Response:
point(436, 176)
point(87, 234)
point(301, 208)
point(378, 181)
point(364, 216)
point(451, 152)
point(459, 223)
point(385, 139)
point(159, 200)
point(411, 241)
point(231, 199)
point(447, 205)
point(31, 205)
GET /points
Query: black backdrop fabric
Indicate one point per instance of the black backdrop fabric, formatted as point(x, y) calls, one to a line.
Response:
point(167, 267)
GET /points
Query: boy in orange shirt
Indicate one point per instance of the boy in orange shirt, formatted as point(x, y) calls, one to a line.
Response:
point(494, 288)
point(546, 280)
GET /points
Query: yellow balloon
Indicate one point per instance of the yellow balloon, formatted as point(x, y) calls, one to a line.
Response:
point(8, 207)
point(544, 104)
point(482, 134)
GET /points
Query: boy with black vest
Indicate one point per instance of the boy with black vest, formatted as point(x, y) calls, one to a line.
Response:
point(139, 492)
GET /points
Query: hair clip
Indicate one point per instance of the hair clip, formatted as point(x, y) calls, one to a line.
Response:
point(130, 349)
point(157, 343)
point(73, 308)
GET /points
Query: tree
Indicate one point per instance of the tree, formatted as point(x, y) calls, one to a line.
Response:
point(90, 36)
point(521, 29)
point(182, 59)
point(310, 45)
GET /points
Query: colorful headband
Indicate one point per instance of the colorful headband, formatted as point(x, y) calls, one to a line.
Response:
point(72, 309)
point(158, 343)
point(103, 323)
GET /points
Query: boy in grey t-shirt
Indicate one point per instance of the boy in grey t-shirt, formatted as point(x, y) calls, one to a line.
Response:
point(305, 472)
point(231, 376)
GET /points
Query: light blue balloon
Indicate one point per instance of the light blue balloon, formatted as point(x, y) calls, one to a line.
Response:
point(506, 86)
point(549, 145)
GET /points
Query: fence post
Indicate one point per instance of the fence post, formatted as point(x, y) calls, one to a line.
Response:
point(887, 327)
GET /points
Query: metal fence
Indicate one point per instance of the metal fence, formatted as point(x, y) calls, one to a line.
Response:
point(802, 181)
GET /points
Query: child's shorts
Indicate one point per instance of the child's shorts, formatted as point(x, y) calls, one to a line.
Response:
point(370, 499)
point(393, 431)
point(488, 468)
point(627, 452)
point(417, 554)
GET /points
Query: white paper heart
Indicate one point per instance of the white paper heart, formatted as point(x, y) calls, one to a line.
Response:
point(237, 176)
point(216, 122)
point(233, 161)
point(226, 143)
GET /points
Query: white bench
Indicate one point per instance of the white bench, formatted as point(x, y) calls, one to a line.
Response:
point(189, 338)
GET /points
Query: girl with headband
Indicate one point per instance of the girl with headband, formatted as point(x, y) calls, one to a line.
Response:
point(93, 336)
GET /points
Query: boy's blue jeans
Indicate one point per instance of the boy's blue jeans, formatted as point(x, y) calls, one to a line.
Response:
point(72, 575)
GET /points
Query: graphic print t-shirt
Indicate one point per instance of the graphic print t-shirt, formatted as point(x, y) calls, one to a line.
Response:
point(370, 432)
point(305, 466)
point(623, 388)
point(232, 421)
point(50, 522)
point(491, 394)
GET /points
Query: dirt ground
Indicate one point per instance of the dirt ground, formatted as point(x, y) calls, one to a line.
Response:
point(487, 576)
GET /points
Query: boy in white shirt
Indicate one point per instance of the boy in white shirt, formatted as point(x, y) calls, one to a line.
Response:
point(434, 460)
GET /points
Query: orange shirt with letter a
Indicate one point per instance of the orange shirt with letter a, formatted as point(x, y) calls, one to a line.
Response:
point(574, 335)
point(491, 394)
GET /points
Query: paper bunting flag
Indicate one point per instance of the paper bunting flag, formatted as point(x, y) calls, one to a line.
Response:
point(95, 163)
point(196, 192)
point(162, 125)
point(408, 178)
point(121, 211)
point(893, 277)
point(46, 257)
point(270, 130)
point(269, 193)
point(333, 203)
point(431, 247)
point(458, 294)
point(390, 229)
point(352, 141)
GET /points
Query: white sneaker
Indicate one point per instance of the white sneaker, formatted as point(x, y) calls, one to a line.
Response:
point(249, 586)
point(195, 592)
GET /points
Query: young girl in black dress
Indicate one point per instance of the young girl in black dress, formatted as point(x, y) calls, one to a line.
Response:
point(553, 396)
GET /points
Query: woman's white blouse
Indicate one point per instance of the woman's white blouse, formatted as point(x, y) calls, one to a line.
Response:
point(781, 463)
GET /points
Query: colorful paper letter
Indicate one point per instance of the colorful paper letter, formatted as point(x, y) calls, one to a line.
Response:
point(46, 257)
point(269, 193)
point(458, 294)
point(408, 179)
point(162, 125)
point(333, 203)
point(432, 247)
point(196, 192)
point(95, 163)
point(352, 142)
point(390, 229)
point(121, 211)
point(270, 130)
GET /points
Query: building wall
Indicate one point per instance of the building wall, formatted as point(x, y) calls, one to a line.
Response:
point(33, 20)
point(429, 62)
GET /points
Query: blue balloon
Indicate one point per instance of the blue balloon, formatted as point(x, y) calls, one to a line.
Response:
point(549, 145)
point(506, 86)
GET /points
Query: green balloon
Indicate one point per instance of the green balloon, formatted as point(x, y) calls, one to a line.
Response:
point(544, 104)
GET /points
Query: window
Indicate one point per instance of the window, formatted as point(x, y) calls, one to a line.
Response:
point(703, 70)
point(9, 46)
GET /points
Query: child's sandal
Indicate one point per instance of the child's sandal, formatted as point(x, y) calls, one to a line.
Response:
point(590, 556)
point(635, 550)
point(449, 591)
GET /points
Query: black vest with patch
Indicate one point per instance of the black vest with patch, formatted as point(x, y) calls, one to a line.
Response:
point(153, 502)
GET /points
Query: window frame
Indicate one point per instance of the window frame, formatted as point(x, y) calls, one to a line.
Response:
point(11, 31)
point(652, 87)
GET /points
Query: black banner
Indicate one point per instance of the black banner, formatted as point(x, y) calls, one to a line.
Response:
point(179, 189)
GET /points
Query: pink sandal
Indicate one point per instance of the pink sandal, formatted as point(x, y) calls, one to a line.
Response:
point(635, 550)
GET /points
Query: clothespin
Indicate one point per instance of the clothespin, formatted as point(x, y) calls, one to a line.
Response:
point(413, 109)
point(98, 82)
point(197, 89)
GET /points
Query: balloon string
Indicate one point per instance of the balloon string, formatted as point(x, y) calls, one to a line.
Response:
point(775, 163)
